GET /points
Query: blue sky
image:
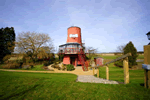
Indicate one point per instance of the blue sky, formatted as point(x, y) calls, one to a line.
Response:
point(105, 24)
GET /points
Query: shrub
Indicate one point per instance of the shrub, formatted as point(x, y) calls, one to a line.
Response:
point(24, 59)
point(63, 67)
point(52, 56)
point(18, 61)
point(61, 56)
point(45, 68)
point(53, 66)
point(29, 61)
point(130, 48)
point(16, 65)
point(119, 64)
point(26, 67)
point(56, 66)
point(7, 66)
point(86, 57)
point(56, 62)
point(31, 65)
point(11, 66)
point(70, 67)
point(6, 58)
point(46, 63)
point(59, 68)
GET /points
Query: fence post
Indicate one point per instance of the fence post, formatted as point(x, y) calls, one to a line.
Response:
point(126, 70)
point(93, 70)
point(107, 72)
point(147, 62)
point(97, 72)
point(145, 78)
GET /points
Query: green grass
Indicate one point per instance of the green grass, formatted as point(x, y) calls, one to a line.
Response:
point(140, 57)
point(117, 74)
point(35, 68)
point(109, 57)
point(114, 57)
point(58, 86)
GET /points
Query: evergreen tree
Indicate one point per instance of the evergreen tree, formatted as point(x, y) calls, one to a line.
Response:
point(130, 48)
point(7, 41)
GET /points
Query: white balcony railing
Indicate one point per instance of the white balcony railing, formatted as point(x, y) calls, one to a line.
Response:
point(70, 50)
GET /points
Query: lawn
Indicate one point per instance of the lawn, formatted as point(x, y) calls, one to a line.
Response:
point(117, 74)
point(58, 86)
point(140, 57)
point(35, 68)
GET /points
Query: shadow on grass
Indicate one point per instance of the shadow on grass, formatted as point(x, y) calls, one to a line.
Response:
point(142, 84)
point(21, 93)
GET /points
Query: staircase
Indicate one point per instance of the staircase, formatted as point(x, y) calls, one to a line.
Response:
point(81, 57)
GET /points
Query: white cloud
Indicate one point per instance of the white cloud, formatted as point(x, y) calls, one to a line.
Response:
point(109, 22)
point(104, 24)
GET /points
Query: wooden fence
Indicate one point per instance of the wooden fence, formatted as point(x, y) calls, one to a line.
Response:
point(125, 66)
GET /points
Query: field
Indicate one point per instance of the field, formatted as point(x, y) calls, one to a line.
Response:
point(140, 57)
point(117, 74)
point(27, 86)
point(115, 56)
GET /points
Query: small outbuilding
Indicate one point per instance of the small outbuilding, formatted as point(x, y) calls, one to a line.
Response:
point(98, 61)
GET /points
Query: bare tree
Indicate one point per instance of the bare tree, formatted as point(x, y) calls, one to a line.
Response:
point(32, 43)
point(91, 51)
point(44, 52)
point(120, 48)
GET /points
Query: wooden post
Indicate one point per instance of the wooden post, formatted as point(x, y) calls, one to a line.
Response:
point(93, 71)
point(147, 54)
point(147, 61)
point(148, 78)
point(126, 70)
point(97, 72)
point(107, 72)
point(145, 76)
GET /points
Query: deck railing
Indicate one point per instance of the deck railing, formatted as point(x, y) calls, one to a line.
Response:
point(70, 51)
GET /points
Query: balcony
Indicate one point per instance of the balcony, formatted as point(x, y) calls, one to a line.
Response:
point(70, 48)
point(70, 51)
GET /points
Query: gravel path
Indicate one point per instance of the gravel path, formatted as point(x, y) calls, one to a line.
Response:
point(93, 79)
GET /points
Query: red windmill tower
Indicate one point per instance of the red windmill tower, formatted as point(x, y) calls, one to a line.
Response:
point(73, 49)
